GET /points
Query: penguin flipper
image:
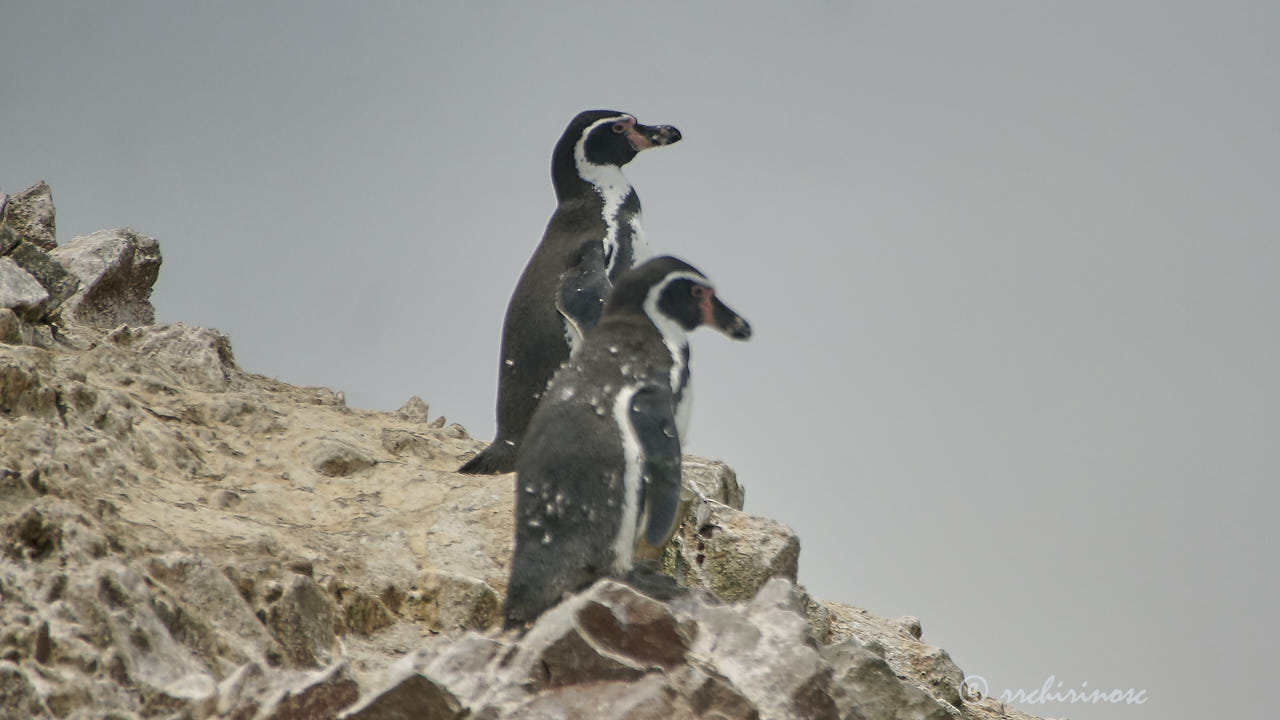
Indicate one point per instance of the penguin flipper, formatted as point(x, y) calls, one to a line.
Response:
point(653, 419)
point(581, 290)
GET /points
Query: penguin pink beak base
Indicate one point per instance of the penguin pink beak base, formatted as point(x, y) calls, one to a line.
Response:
point(643, 137)
point(719, 316)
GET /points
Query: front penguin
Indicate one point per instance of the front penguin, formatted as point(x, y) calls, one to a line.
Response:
point(598, 479)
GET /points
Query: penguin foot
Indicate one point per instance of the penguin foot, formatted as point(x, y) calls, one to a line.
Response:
point(654, 584)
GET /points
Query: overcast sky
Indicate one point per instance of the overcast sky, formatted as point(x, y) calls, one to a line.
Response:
point(1012, 270)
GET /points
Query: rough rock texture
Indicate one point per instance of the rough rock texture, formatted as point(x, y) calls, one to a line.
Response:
point(116, 269)
point(30, 214)
point(21, 292)
point(180, 538)
point(56, 280)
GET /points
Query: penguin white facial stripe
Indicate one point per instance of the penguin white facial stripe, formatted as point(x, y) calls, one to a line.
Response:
point(609, 181)
point(624, 542)
point(673, 334)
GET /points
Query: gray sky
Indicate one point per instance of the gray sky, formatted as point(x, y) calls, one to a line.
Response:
point(1012, 269)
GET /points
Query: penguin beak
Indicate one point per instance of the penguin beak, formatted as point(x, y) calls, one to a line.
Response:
point(643, 137)
point(723, 318)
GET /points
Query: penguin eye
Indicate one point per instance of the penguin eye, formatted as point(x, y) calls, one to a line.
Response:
point(701, 291)
point(619, 127)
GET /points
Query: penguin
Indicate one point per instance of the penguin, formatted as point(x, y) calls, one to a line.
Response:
point(598, 475)
point(593, 236)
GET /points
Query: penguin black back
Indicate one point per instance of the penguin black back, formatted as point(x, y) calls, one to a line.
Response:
point(598, 478)
point(593, 236)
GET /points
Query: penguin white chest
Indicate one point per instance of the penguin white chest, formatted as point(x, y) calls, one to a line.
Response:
point(633, 461)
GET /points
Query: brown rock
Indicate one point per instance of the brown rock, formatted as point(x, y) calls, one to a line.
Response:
point(321, 697)
point(634, 626)
point(413, 697)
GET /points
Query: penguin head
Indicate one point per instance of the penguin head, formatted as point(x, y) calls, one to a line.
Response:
point(601, 139)
point(676, 297)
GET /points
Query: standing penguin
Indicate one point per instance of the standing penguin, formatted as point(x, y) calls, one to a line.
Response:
point(592, 238)
point(598, 478)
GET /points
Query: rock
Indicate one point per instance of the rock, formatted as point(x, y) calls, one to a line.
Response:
point(8, 238)
point(363, 613)
point(865, 686)
point(765, 651)
point(711, 480)
point(10, 327)
point(24, 389)
point(649, 698)
point(113, 605)
point(18, 696)
point(629, 624)
point(55, 279)
point(336, 458)
point(194, 357)
point(19, 292)
point(713, 695)
point(241, 693)
point(203, 594)
point(730, 552)
point(116, 269)
point(30, 214)
point(413, 696)
point(302, 621)
point(448, 602)
point(415, 409)
point(321, 697)
point(401, 442)
point(927, 667)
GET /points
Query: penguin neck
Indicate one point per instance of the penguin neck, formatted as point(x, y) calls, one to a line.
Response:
point(674, 338)
point(577, 179)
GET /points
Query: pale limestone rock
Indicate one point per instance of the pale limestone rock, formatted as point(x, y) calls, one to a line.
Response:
point(20, 292)
point(52, 276)
point(453, 602)
point(116, 269)
point(335, 458)
point(730, 552)
point(415, 409)
point(865, 686)
point(30, 214)
point(194, 357)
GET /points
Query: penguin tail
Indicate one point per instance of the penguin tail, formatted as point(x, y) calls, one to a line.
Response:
point(496, 459)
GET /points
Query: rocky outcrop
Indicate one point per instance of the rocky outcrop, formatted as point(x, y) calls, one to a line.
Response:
point(116, 269)
point(181, 538)
point(30, 215)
